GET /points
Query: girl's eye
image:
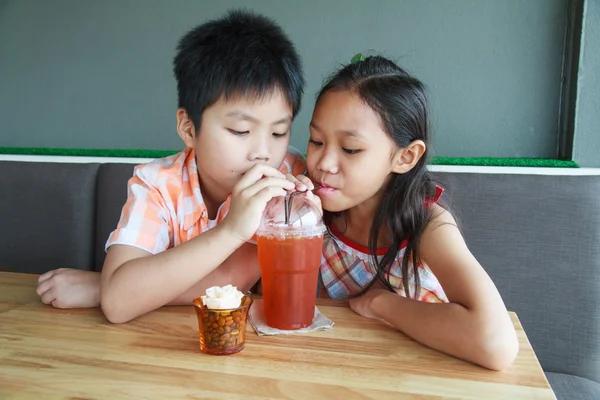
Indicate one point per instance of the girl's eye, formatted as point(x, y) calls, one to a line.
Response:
point(351, 151)
point(278, 135)
point(238, 133)
point(314, 142)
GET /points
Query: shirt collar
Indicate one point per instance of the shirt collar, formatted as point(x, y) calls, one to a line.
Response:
point(195, 209)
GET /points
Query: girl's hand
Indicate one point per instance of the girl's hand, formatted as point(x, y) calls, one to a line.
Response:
point(304, 184)
point(364, 305)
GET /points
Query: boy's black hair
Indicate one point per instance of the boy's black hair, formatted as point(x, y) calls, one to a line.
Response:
point(239, 54)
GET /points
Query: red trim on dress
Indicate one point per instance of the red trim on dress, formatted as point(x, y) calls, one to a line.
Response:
point(358, 247)
point(382, 250)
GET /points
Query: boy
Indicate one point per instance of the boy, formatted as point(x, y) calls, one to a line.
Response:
point(240, 84)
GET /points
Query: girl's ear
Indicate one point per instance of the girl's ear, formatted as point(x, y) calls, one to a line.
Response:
point(185, 128)
point(406, 158)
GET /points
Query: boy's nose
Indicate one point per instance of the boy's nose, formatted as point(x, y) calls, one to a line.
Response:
point(260, 151)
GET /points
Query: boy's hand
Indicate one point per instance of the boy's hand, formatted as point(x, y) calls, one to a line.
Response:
point(304, 184)
point(70, 288)
point(249, 198)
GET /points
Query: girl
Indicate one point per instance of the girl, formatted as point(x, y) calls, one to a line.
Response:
point(392, 248)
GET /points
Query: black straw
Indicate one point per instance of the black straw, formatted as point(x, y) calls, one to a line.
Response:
point(288, 206)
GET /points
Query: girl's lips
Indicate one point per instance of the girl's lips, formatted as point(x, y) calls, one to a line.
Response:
point(323, 189)
point(319, 185)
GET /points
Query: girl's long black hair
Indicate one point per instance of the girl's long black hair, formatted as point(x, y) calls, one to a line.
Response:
point(400, 100)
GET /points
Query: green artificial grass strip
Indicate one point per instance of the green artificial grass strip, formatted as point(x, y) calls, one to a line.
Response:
point(87, 152)
point(479, 161)
point(505, 162)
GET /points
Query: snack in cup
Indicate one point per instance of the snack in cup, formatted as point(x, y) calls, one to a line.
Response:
point(222, 315)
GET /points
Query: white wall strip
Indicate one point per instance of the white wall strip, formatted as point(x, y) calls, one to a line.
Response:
point(74, 159)
point(433, 168)
point(514, 170)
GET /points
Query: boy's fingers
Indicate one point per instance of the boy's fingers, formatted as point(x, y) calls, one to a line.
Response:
point(57, 304)
point(291, 178)
point(46, 276)
point(48, 297)
point(267, 193)
point(280, 183)
point(43, 287)
point(255, 174)
point(301, 187)
point(306, 181)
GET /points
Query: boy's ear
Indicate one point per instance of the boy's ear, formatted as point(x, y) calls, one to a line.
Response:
point(408, 157)
point(185, 128)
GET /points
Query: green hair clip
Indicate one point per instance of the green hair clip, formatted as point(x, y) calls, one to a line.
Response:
point(357, 57)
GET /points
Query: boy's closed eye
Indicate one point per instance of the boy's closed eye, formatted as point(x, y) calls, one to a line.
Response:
point(238, 133)
point(243, 133)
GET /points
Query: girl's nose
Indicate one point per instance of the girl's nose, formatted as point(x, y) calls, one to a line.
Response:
point(328, 162)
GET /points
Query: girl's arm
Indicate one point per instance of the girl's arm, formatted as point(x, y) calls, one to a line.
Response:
point(474, 325)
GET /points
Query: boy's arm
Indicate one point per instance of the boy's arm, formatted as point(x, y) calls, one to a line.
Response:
point(74, 288)
point(134, 282)
point(240, 269)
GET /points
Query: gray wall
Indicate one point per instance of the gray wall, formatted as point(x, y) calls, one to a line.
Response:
point(97, 74)
point(586, 146)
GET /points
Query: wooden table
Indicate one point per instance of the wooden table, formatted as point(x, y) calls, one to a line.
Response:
point(55, 354)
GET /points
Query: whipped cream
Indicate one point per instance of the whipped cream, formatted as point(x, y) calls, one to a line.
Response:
point(220, 298)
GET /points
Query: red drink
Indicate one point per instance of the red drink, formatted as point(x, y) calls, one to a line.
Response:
point(289, 266)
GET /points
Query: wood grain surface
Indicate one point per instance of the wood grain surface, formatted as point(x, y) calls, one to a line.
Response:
point(46, 353)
